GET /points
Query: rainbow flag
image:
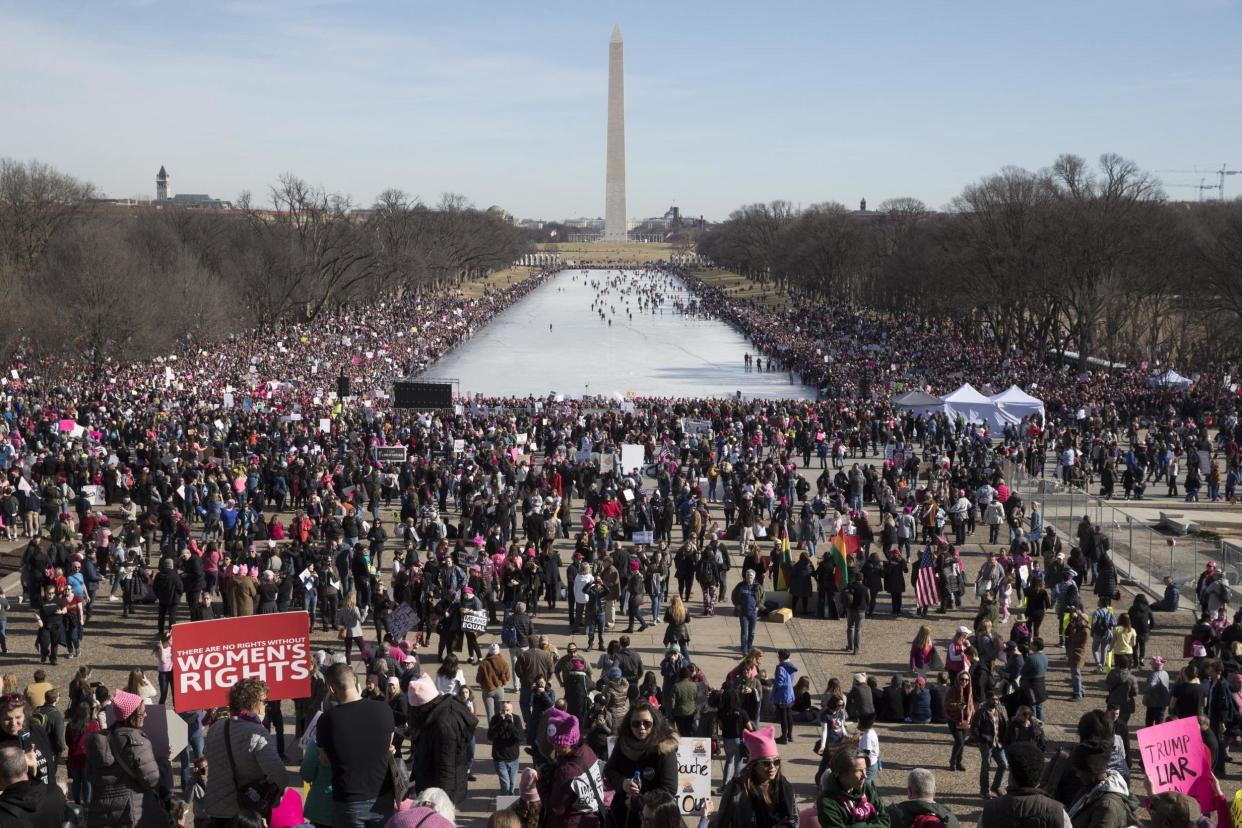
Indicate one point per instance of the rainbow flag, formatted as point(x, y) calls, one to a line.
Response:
point(843, 546)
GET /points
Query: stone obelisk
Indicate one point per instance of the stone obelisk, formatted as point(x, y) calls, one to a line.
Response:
point(614, 190)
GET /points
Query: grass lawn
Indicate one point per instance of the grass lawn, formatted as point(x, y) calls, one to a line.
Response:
point(611, 252)
point(745, 290)
point(498, 280)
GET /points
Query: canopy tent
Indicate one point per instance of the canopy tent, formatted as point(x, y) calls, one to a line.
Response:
point(1016, 404)
point(919, 403)
point(1169, 379)
point(973, 407)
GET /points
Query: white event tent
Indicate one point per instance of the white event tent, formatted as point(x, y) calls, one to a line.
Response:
point(1015, 404)
point(1169, 379)
point(973, 407)
point(919, 403)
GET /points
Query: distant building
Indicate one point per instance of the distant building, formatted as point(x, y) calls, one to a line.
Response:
point(162, 179)
point(197, 201)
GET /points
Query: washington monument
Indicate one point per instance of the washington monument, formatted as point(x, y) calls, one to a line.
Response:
point(614, 190)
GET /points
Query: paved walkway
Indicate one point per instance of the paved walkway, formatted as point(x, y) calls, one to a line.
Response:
point(114, 646)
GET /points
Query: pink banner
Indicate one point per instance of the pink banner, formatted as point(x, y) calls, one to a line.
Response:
point(67, 425)
point(1175, 759)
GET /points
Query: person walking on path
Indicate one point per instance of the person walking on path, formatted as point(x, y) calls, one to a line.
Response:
point(747, 599)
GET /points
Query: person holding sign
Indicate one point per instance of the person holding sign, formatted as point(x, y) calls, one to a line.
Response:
point(644, 759)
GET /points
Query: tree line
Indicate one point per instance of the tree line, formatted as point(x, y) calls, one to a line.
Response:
point(1078, 258)
point(93, 281)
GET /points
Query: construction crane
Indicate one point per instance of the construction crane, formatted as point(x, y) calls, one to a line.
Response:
point(1220, 174)
point(1201, 186)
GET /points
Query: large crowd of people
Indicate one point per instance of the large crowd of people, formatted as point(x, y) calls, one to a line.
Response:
point(229, 479)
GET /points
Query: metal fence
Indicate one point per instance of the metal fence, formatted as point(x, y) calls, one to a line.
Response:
point(1144, 556)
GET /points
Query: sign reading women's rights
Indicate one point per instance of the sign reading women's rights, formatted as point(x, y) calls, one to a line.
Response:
point(1175, 759)
point(209, 657)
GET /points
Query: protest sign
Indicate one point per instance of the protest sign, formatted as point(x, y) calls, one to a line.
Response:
point(94, 495)
point(632, 457)
point(401, 621)
point(1175, 759)
point(209, 657)
point(606, 463)
point(644, 537)
point(694, 774)
point(697, 426)
point(474, 621)
point(388, 454)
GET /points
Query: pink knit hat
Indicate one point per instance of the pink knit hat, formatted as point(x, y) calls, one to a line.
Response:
point(562, 729)
point(761, 744)
point(124, 703)
point(422, 690)
point(528, 786)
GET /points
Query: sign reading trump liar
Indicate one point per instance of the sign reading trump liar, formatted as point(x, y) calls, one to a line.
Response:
point(209, 657)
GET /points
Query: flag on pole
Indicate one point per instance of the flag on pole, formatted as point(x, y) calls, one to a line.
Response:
point(926, 585)
point(843, 546)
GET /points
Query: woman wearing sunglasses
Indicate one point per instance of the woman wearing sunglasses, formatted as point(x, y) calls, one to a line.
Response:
point(645, 759)
point(759, 795)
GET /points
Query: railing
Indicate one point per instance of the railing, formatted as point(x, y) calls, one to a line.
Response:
point(1143, 556)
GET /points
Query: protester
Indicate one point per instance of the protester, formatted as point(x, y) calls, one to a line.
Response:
point(241, 753)
point(845, 797)
point(121, 766)
point(28, 803)
point(921, 790)
point(1024, 802)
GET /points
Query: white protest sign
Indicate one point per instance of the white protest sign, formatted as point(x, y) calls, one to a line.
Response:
point(94, 495)
point(325, 425)
point(694, 774)
point(474, 621)
point(632, 456)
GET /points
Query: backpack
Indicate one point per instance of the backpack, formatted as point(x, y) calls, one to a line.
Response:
point(508, 634)
point(926, 821)
point(1099, 624)
point(40, 717)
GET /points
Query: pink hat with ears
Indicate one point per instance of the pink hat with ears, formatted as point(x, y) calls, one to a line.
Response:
point(761, 744)
point(254, 572)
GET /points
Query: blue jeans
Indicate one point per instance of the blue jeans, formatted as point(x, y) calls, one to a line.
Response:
point(1075, 674)
point(732, 761)
point(655, 609)
point(986, 754)
point(596, 623)
point(853, 630)
point(364, 814)
point(507, 771)
point(747, 623)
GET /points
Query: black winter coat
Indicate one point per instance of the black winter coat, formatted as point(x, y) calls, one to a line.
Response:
point(442, 734)
point(657, 769)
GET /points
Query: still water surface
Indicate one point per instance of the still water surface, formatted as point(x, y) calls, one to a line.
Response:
point(651, 350)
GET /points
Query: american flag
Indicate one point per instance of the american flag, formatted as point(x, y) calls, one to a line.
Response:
point(927, 585)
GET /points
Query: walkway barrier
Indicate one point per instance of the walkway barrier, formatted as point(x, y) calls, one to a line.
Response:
point(1144, 557)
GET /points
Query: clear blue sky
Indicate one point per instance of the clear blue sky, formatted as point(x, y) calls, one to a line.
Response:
point(727, 103)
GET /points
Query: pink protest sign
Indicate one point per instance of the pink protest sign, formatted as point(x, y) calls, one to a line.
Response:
point(1175, 759)
point(67, 425)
